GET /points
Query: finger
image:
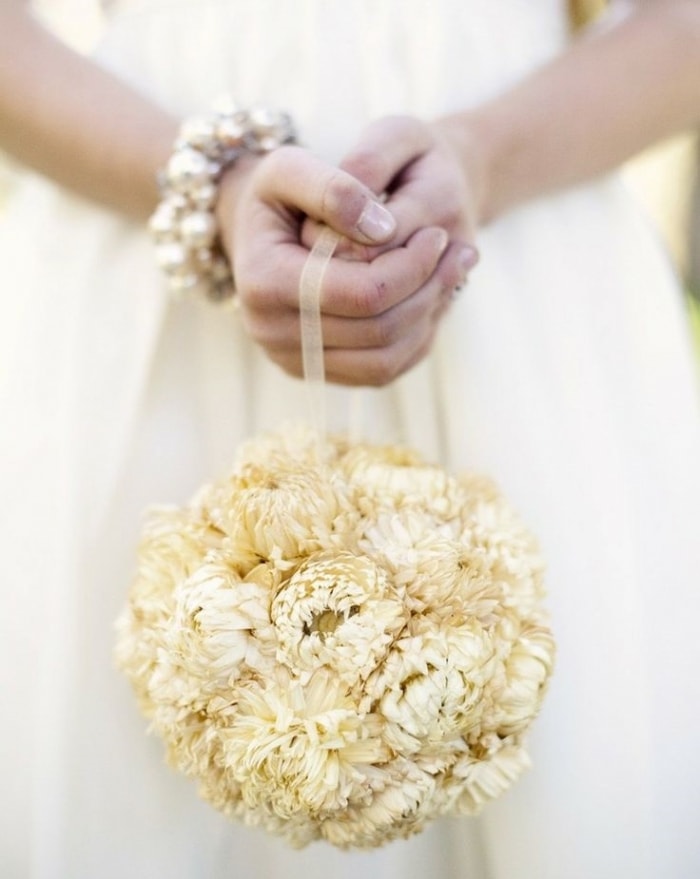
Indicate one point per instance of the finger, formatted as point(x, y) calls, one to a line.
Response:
point(354, 289)
point(413, 214)
point(387, 328)
point(346, 249)
point(380, 366)
point(375, 351)
point(455, 266)
point(430, 196)
point(293, 178)
point(447, 302)
point(368, 366)
point(350, 289)
point(283, 334)
point(385, 148)
point(423, 184)
point(370, 289)
point(376, 367)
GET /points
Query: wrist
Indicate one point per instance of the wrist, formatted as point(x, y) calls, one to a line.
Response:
point(233, 186)
point(467, 137)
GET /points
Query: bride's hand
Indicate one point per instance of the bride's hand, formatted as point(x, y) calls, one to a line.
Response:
point(378, 316)
point(416, 169)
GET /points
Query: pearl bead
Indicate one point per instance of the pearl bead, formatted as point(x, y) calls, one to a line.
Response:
point(177, 202)
point(198, 131)
point(188, 168)
point(162, 222)
point(204, 257)
point(270, 128)
point(205, 196)
point(198, 229)
point(231, 133)
point(172, 257)
point(189, 283)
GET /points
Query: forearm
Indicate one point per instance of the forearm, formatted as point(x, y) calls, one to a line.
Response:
point(609, 96)
point(68, 118)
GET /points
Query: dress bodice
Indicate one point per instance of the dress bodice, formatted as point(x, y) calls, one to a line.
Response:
point(354, 59)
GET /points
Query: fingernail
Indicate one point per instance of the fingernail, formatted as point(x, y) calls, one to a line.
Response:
point(443, 239)
point(468, 257)
point(376, 222)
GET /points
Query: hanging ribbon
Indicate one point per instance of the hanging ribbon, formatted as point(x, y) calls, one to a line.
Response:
point(310, 289)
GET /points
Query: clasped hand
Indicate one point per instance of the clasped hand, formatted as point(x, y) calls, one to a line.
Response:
point(402, 203)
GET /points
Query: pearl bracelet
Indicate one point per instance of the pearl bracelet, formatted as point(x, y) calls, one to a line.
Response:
point(184, 226)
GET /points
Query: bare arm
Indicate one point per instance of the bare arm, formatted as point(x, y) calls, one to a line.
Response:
point(611, 95)
point(68, 118)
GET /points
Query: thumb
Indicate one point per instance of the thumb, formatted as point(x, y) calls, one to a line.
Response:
point(293, 178)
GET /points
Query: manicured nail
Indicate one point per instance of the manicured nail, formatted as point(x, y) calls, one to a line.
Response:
point(468, 257)
point(442, 240)
point(376, 222)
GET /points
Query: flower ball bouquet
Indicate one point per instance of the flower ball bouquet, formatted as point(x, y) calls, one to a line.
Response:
point(339, 641)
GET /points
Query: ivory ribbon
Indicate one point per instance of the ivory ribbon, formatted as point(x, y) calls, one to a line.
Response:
point(310, 289)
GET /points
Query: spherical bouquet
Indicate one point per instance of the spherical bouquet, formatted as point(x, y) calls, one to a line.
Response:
point(339, 641)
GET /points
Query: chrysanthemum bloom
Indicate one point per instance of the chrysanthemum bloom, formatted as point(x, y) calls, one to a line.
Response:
point(340, 642)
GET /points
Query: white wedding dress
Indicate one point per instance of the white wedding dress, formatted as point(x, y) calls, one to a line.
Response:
point(565, 371)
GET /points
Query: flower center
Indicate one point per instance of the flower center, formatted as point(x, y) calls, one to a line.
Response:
point(327, 621)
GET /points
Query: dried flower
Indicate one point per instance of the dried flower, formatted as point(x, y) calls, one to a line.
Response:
point(339, 642)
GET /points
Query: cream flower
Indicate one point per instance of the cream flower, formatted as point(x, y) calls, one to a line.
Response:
point(276, 512)
point(339, 642)
point(340, 611)
point(476, 780)
point(430, 685)
point(221, 624)
point(401, 806)
point(404, 540)
point(173, 545)
point(506, 551)
point(527, 670)
point(391, 477)
point(299, 750)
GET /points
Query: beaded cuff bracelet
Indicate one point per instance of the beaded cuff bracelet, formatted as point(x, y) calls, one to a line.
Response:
point(184, 225)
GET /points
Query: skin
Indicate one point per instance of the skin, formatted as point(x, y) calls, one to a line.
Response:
point(379, 311)
point(610, 95)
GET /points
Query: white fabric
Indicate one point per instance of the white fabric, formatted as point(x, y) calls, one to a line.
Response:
point(565, 372)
